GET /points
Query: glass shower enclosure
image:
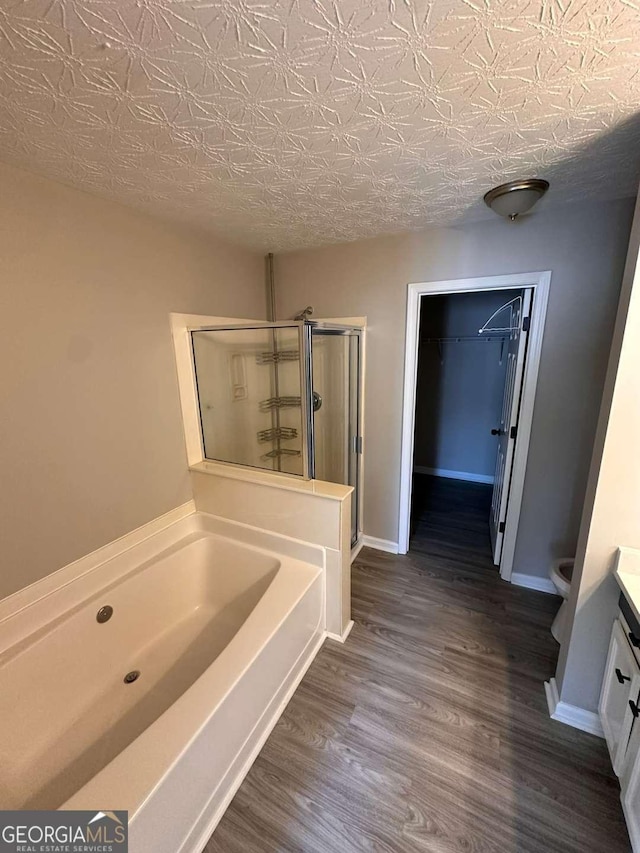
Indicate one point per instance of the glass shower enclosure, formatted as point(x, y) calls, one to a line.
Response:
point(283, 397)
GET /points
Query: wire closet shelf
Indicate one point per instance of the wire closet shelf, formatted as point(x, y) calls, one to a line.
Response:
point(487, 333)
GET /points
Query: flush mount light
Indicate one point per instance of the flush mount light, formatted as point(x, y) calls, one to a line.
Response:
point(516, 197)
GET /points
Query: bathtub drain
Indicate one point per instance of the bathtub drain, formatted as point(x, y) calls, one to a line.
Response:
point(104, 614)
point(132, 676)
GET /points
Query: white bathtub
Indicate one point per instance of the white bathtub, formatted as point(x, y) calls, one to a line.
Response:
point(220, 629)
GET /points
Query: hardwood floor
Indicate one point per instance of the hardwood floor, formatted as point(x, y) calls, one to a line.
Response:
point(428, 730)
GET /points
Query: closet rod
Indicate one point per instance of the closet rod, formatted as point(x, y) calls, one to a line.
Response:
point(485, 339)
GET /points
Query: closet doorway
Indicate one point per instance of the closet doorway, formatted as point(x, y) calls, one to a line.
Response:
point(472, 355)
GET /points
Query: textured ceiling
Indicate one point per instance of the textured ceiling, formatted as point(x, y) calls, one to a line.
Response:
point(289, 123)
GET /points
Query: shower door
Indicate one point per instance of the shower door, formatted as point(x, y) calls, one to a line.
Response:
point(337, 446)
point(250, 384)
point(282, 396)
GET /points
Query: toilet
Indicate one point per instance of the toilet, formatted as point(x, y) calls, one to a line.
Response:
point(560, 573)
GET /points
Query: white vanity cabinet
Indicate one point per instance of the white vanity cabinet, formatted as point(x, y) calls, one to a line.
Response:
point(630, 787)
point(620, 716)
point(619, 697)
point(619, 706)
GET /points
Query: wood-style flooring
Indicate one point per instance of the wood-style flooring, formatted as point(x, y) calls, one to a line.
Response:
point(428, 729)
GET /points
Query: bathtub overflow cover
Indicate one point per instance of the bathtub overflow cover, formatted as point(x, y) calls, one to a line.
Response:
point(132, 676)
point(105, 613)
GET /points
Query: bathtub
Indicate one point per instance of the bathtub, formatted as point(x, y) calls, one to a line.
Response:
point(160, 708)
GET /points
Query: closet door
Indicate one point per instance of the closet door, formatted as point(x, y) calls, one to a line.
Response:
point(507, 429)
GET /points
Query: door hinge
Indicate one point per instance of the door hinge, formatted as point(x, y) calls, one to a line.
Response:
point(634, 708)
point(513, 431)
point(525, 324)
point(357, 444)
point(501, 527)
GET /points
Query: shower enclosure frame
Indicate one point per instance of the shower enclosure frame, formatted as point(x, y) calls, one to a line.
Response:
point(183, 327)
point(306, 377)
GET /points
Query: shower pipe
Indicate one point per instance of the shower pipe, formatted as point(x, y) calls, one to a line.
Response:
point(271, 317)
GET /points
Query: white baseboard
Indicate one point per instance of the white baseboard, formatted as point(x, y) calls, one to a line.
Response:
point(341, 638)
point(380, 544)
point(571, 715)
point(631, 819)
point(534, 582)
point(357, 548)
point(454, 475)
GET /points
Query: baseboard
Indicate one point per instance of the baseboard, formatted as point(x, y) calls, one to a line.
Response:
point(380, 544)
point(534, 582)
point(202, 832)
point(454, 475)
point(341, 638)
point(631, 820)
point(357, 548)
point(571, 715)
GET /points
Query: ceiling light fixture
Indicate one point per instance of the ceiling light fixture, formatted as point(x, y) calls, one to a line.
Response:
point(516, 197)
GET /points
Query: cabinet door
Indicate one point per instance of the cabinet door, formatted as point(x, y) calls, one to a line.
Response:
point(615, 713)
point(629, 745)
point(630, 784)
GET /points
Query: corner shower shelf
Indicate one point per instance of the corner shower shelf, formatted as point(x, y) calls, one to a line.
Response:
point(279, 403)
point(278, 356)
point(282, 451)
point(277, 434)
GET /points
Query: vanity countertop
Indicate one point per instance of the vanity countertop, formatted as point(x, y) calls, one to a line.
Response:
point(627, 573)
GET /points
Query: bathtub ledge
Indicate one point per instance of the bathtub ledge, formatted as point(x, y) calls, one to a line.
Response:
point(291, 483)
point(71, 584)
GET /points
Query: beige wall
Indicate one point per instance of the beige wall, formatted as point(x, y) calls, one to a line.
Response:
point(91, 439)
point(612, 507)
point(583, 245)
